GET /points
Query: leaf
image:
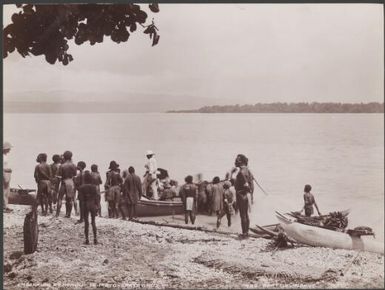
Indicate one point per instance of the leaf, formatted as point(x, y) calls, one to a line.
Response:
point(50, 58)
point(141, 16)
point(34, 29)
point(132, 27)
point(154, 7)
point(149, 29)
point(65, 60)
point(28, 9)
point(155, 40)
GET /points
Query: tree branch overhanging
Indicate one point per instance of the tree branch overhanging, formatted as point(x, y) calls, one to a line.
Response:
point(46, 29)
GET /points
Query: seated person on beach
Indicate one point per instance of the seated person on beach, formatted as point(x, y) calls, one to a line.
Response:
point(309, 202)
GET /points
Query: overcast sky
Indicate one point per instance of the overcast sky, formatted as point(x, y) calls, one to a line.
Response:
point(220, 54)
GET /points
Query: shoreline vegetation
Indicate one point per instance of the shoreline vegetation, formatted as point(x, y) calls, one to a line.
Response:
point(372, 107)
point(126, 107)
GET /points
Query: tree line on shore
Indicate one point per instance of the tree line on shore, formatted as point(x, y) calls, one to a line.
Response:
point(314, 107)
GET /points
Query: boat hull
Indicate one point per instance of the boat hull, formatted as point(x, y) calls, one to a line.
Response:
point(21, 197)
point(147, 207)
point(319, 237)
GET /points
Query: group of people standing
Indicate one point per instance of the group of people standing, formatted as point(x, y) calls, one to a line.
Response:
point(81, 189)
point(221, 197)
point(122, 192)
point(62, 179)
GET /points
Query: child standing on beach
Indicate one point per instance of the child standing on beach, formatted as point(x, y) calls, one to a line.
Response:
point(309, 202)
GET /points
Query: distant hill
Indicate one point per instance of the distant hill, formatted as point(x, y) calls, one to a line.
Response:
point(372, 107)
point(69, 107)
point(69, 101)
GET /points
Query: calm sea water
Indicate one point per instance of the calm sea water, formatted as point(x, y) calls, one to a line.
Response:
point(340, 155)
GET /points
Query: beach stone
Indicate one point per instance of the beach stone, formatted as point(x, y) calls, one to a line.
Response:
point(16, 255)
point(105, 262)
point(12, 275)
point(7, 268)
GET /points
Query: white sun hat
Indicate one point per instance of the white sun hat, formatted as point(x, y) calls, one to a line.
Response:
point(150, 152)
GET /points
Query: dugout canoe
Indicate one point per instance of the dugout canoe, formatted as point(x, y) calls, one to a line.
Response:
point(267, 229)
point(320, 237)
point(22, 196)
point(148, 207)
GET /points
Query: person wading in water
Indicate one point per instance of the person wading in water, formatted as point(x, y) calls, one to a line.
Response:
point(309, 202)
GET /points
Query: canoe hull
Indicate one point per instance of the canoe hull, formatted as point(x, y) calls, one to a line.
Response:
point(319, 237)
point(158, 208)
point(17, 196)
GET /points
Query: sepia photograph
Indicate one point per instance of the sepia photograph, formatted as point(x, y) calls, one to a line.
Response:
point(193, 145)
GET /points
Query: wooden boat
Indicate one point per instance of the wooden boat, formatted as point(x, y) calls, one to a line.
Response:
point(320, 237)
point(148, 207)
point(22, 196)
point(334, 220)
point(267, 229)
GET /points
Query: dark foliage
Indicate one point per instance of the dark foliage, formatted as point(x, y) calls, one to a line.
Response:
point(292, 108)
point(46, 29)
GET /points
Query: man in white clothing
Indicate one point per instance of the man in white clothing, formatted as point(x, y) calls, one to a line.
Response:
point(150, 178)
point(7, 171)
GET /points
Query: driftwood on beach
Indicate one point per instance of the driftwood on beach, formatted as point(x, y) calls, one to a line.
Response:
point(199, 228)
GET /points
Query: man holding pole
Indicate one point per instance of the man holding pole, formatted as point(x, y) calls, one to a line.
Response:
point(243, 184)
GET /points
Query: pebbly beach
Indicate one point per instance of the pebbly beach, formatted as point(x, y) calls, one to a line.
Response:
point(131, 255)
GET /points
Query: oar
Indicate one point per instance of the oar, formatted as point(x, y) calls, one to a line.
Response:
point(256, 182)
point(25, 190)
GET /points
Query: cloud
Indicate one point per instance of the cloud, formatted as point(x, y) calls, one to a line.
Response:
point(237, 53)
